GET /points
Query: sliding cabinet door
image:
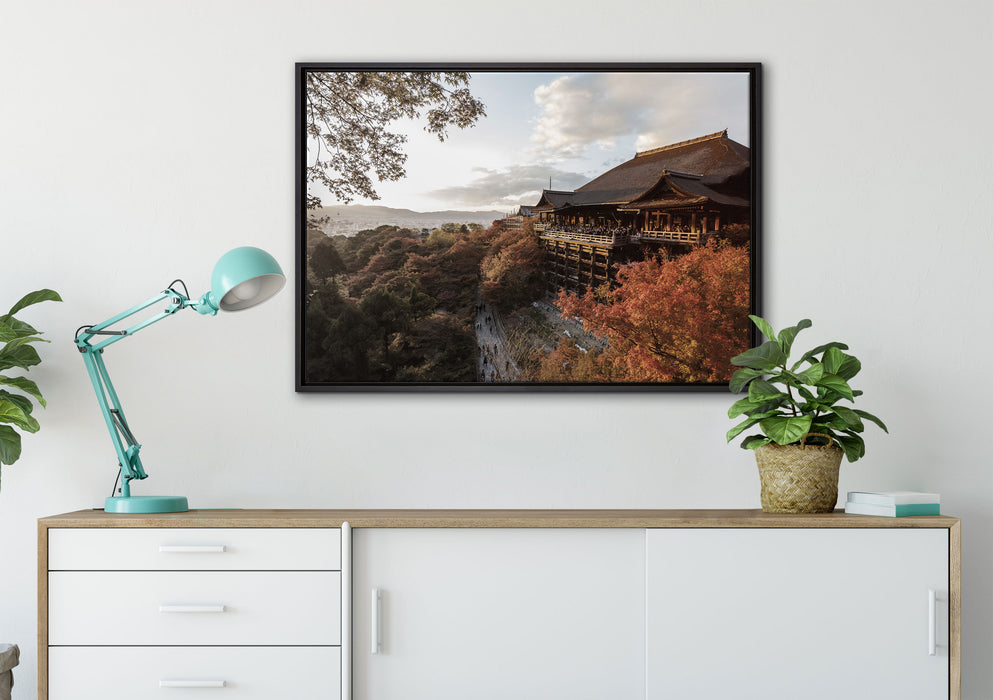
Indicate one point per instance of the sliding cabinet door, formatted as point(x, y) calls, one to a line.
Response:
point(816, 614)
point(494, 614)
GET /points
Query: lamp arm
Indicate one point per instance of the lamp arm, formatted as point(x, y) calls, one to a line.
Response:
point(125, 444)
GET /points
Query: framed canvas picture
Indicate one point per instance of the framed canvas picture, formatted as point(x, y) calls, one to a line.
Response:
point(494, 227)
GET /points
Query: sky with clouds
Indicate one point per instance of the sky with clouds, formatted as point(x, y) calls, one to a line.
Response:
point(569, 127)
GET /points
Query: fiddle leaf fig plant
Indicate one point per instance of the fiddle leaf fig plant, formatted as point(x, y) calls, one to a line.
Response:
point(789, 402)
point(16, 352)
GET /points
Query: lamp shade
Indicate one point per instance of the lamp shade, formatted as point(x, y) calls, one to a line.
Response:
point(244, 277)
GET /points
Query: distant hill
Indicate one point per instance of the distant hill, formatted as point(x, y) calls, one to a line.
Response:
point(350, 219)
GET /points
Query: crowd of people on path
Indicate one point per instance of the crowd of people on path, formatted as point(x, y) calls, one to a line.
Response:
point(495, 364)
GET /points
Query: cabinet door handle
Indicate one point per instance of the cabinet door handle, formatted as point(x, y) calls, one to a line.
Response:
point(191, 608)
point(932, 621)
point(377, 621)
point(191, 684)
point(191, 548)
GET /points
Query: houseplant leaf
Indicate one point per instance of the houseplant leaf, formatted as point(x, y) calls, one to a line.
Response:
point(32, 298)
point(837, 362)
point(10, 445)
point(812, 374)
point(753, 441)
point(745, 405)
point(25, 385)
point(741, 377)
point(788, 335)
point(811, 354)
point(10, 412)
point(766, 356)
point(761, 390)
point(853, 445)
point(763, 326)
point(785, 430)
point(869, 417)
point(748, 423)
point(849, 417)
point(835, 383)
point(23, 357)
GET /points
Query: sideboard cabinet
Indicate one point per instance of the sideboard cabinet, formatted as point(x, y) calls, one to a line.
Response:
point(410, 605)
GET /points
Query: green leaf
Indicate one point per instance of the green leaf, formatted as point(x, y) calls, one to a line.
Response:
point(853, 445)
point(23, 357)
point(832, 360)
point(7, 333)
point(804, 392)
point(788, 335)
point(20, 328)
point(766, 356)
point(23, 340)
point(763, 326)
point(849, 417)
point(753, 441)
point(10, 445)
point(741, 377)
point(810, 354)
point(812, 374)
point(744, 405)
point(22, 402)
point(850, 366)
point(836, 384)
point(25, 385)
point(785, 430)
point(747, 423)
point(10, 412)
point(869, 417)
point(761, 390)
point(34, 298)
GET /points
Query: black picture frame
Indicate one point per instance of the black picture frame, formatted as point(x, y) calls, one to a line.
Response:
point(309, 381)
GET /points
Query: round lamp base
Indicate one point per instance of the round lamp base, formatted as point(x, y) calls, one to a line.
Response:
point(146, 504)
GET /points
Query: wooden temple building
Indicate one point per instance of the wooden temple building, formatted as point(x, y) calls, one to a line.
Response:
point(674, 196)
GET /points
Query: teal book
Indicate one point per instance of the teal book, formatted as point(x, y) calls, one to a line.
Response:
point(894, 511)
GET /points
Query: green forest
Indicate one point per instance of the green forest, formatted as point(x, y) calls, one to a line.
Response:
point(395, 305)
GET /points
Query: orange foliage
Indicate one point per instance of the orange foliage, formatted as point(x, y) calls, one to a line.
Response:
point(668, 320)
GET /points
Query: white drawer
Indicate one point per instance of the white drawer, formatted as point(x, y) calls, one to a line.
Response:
point(194, 607)
point(248, 673)
point(124, 549)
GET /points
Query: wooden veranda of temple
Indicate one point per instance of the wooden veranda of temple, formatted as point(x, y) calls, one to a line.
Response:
point(673, 196)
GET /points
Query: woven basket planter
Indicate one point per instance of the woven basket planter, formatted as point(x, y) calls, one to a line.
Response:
point(799, 478)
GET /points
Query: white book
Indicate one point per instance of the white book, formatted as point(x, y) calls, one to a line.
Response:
point(892, 498)
point(897, 511)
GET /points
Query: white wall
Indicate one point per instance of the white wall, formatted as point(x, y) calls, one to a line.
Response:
point(139, 141)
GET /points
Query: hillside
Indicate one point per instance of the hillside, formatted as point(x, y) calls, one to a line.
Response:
point(352, 218)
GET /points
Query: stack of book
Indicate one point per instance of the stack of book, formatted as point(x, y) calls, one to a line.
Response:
point(893, 504)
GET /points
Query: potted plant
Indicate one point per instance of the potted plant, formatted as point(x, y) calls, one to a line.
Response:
point(800, 408)
point(16, 353)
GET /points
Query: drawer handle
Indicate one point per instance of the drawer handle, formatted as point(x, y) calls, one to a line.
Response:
point(377, 621)
point(191, 548)
point(191, 608)
point(932, 621)
point(191, 684)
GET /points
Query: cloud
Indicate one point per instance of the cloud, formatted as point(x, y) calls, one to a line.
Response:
point(637, 111)
point(508, 187)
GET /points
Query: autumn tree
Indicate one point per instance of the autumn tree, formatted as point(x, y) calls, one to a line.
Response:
point(325, 261)
point(512, 273)
point(668, 320)
point(348, 117)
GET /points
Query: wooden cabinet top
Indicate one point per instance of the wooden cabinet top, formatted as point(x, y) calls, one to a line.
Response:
point(265, 518)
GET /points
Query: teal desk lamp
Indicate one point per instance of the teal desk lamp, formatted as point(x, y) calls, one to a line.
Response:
point(242, 278)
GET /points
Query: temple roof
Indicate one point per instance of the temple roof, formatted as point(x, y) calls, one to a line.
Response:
point(708, 166)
